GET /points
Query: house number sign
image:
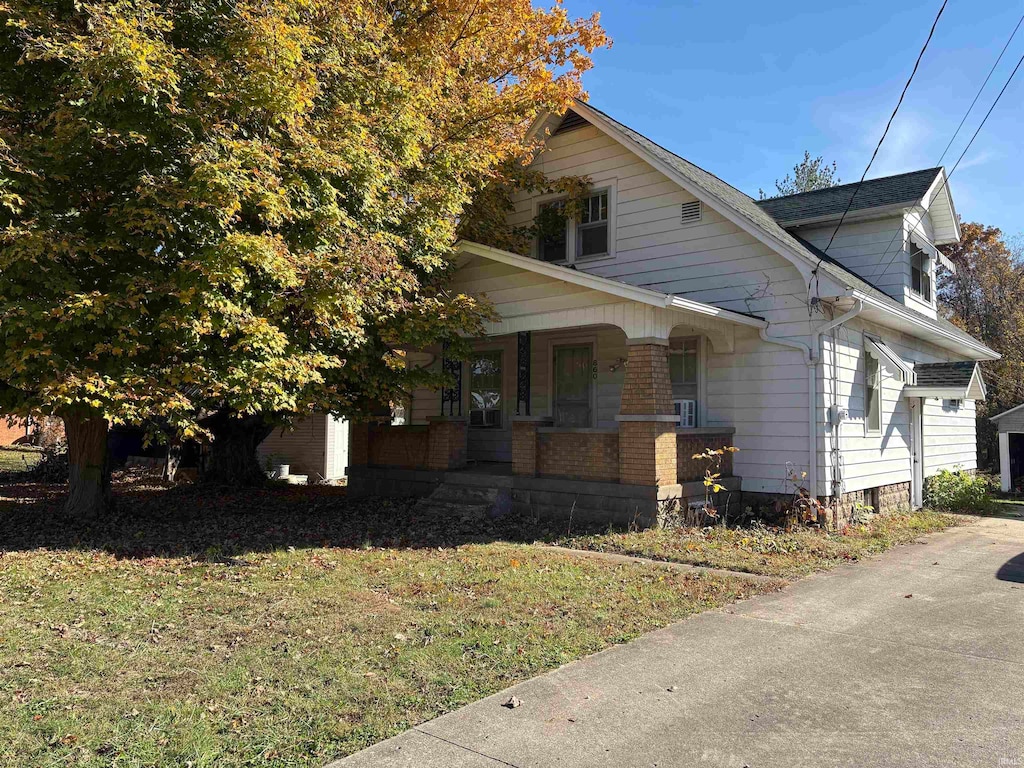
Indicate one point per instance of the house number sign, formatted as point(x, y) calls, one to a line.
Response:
point(593, 369)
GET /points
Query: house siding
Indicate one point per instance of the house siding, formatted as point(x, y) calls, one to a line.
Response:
point(303, 446)
point(873, 460)
point(760, 388)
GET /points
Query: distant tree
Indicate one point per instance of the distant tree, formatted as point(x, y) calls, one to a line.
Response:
point(986, 298)
point(808, 175)
point(215, 212)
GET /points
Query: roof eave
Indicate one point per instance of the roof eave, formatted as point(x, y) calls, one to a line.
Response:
point(607, 285)
point(957, 341)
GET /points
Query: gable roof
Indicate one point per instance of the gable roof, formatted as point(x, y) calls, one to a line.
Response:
point(745, 213)
point(957, 380)
point(902, 190)
point(998, 416)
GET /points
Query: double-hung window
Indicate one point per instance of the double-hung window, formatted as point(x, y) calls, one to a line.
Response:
point(683, 366)
point(872, 393)
point(592, 230)
point(586, 236)
point(920, 277)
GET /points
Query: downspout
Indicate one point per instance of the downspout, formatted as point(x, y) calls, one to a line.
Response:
point(812, 356)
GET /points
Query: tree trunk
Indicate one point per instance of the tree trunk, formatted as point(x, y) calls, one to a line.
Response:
point(89, 476)
point(232, 456)
point(174, 451)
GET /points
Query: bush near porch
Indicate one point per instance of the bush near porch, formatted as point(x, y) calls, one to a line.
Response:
point(284, 627)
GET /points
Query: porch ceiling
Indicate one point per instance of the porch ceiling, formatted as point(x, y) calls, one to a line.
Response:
point(532, 295)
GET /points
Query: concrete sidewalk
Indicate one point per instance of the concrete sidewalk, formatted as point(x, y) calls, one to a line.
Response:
point(915, 658)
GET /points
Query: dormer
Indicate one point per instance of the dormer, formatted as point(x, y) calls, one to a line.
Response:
point(889, 234)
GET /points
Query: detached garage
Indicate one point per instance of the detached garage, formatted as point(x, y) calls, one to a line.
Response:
point(1011, 446)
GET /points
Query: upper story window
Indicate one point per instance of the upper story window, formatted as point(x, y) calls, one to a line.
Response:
point(592, 230)
point(564, 240)
point(920, 277)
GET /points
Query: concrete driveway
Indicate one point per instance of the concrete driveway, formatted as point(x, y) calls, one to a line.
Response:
point(915, 658)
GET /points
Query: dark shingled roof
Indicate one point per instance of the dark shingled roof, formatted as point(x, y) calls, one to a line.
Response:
point(945, 374)
point(905, 188)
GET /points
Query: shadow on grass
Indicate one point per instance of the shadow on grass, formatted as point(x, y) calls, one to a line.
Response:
point(221, 523)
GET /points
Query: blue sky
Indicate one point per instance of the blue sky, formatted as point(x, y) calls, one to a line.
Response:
point(742, 88)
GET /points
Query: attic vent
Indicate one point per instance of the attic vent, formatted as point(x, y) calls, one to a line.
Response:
point(690, 212)
point(570, 122)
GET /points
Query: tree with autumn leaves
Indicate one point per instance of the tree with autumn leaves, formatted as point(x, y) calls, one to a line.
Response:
point(213, 213)
point(985, 297)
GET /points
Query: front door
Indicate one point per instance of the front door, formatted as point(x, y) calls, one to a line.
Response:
point(916, 452)
point(572, 396)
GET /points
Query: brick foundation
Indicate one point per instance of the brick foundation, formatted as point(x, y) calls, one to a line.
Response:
point(894, 498)
point(578, 454)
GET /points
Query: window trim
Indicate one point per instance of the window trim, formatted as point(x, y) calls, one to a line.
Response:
point(868, 428)
point(702, 350)
point(572, 227)
point(927, 272)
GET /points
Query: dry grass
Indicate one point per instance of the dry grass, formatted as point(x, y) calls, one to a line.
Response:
point(769, 551)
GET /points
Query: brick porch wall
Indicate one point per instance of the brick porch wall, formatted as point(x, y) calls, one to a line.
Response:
point(647, 453)
point(447, 444)
point(689, 468)
point(399, 446)
point(577, 455)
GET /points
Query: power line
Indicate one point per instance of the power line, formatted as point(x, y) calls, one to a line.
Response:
point(887, 126)
point(948, 176)
point(978, 94)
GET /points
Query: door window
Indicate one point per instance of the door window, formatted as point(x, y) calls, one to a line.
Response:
point(572, 407)
point(485, 390)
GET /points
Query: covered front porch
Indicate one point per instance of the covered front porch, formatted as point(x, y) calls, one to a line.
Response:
point(587, 395)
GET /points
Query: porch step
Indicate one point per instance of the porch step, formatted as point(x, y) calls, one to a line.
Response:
point(460, 500)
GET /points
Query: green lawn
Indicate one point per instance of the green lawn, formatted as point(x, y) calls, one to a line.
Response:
point(769, 551)
point(18, 459)
point(284, 627)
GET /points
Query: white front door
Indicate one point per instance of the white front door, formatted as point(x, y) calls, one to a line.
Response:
point(916, 452)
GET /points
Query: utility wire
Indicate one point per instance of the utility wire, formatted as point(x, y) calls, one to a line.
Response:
point(948, 176)
point(887, 126)
point(978, 94)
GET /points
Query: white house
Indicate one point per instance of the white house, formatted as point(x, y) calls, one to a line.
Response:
point(678, 314)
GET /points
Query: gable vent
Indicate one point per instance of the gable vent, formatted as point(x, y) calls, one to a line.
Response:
point(570, 122)
point(690, 212)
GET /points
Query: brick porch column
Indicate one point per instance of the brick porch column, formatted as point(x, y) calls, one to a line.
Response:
point(446, 443)
point(647, 424)
point(524, 443)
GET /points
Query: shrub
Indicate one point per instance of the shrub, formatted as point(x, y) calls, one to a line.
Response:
point(957, 491)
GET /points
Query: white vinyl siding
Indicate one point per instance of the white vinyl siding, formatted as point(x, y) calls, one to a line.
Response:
point(869, 460)
point(761, 388)
point(316, 446)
